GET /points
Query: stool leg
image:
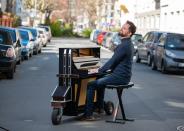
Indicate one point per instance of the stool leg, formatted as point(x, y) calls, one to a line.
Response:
point(115, 119)
point(116, 111)
point(119, 92)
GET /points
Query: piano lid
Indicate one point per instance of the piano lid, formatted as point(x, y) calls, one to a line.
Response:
point(86, 62)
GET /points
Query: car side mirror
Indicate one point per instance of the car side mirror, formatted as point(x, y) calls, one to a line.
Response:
point(18, 43)
point(160, 45)
point(140, 40)
point(32, 39)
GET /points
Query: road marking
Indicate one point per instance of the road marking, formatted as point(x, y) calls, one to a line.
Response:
point(180, 128)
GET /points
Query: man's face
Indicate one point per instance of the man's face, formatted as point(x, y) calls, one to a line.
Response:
point(124, 32)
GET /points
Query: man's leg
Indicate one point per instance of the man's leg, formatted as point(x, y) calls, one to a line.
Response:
point(90, 97)
point(98, 85)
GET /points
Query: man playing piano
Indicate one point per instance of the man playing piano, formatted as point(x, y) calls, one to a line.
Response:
point(120, 66)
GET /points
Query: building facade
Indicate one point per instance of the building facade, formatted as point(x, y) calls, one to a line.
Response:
point(172, 16)
point(3, 5)
point(147, 15)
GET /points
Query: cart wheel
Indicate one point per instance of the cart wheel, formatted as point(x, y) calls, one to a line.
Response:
point(109, 107)
point(56, 116)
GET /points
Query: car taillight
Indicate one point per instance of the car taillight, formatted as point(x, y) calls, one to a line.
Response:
point(10, 52)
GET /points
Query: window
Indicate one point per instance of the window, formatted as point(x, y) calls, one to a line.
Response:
point(162, 39)
point(146, 37)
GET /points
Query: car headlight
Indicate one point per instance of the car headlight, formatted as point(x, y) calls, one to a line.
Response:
point(170, 54)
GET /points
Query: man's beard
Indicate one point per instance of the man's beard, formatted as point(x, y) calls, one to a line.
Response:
point(121, 34)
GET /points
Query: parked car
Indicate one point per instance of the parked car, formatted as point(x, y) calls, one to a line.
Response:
point(100, 37)
point(169, 53)
point(107, 39)
point(16, 41)
point(37, 43)
point(48, 31)
point(135, 40)
point(116, 40)
point(43, 36)
point(146, 46)
point(27, 43)
point(94, 34)
point(8, 58)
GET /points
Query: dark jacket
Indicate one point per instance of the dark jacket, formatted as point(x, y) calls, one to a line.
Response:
point(121, 62)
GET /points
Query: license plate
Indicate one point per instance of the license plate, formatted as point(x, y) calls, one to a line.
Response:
point(181, 64)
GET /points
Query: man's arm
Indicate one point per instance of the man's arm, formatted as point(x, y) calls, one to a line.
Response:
point(119, 54)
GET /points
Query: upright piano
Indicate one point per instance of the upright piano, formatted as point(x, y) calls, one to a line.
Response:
point(75, 65)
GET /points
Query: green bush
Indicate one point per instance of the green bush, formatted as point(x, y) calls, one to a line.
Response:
point(56, 29)
point(67, 32)
point(86, 32)
point(17, 21)
point(59, 30)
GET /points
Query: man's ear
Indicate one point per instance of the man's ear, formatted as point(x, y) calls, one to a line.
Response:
point(130, 33)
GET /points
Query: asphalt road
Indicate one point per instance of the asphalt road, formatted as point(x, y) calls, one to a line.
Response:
point(156, 101)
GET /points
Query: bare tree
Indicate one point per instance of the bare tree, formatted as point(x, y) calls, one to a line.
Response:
point(90, 8)
point(9, 6)
point(44, 6)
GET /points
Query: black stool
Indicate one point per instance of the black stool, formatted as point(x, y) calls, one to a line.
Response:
point(119, 89)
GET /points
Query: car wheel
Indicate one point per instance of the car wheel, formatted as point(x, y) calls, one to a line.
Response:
point(149, 60)
point(40, 51)
point(10, 74)
point(138, 60)
point(163, 68)
point(153, 65)
point(26, 57)
point(35, 52)
point(20, 60)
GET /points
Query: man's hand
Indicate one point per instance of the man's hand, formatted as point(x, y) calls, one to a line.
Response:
point(91, 71)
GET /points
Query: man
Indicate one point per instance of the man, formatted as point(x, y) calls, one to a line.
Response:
point(119, 65)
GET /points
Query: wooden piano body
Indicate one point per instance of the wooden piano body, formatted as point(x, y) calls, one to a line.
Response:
point(74, 65)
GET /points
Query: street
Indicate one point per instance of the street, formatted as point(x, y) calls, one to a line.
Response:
point(156, 101)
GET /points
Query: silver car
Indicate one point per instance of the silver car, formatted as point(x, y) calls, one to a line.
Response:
point(169, 53)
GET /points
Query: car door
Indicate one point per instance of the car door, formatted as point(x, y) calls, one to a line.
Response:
point(148, 44)
point(142, 50)
point(160, 50)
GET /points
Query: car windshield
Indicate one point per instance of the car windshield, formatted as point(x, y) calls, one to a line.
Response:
point(46, 28)
point(24, 35)
point(13, 34)
point(136, 37)
point(33, 32)
point(4, 39)
point(157, 37)
point(175, 42)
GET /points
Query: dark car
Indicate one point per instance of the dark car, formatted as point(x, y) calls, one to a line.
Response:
point(7, 54)
point(146, 46)
point(169, 53)
point(16, 40)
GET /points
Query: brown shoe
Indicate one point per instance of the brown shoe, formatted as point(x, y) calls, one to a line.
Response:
point(99, 111)
point(89, 118)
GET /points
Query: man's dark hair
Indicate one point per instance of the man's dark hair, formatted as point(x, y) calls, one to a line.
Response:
point(132, 27)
